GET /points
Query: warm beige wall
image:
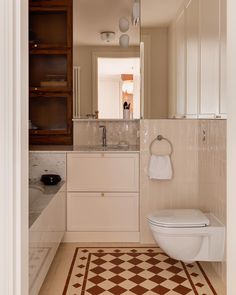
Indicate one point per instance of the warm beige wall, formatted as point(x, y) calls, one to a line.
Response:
point(231, 147)
point(171, 72)
point(158, 40)
point(82, 56)
point(199, 171)
point(212, 173)
point(182, 191)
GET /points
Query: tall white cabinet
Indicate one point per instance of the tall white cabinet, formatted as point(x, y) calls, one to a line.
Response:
point(180, 64)
point(192, 57)
point(200, 63)
point(210, 57)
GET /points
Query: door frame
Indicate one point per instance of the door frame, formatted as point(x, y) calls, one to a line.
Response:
point(14, 147)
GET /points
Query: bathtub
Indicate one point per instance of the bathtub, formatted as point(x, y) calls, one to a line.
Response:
point(47, 224)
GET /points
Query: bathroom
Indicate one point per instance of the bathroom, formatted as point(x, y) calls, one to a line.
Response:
point(111, 223)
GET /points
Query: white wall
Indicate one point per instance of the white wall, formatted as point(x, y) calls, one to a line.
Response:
point(231, 148)
point(109, 98)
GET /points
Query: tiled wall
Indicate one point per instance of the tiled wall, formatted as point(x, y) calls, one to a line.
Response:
point(182, 191)
point(212, 172)
point(87, 132)
point(199, 170)
point(46, 163)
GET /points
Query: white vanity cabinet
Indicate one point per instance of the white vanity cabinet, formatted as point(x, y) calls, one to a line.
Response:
point(102, 196)
point(103, 172)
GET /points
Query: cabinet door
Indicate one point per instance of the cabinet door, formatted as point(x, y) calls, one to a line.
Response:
point(50, 113)
point(103, 172)
point(192, 58)
point(209, 34)
point(180, 65)
point(102, 212)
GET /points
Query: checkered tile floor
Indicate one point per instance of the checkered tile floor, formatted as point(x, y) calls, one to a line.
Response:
point(131, 271)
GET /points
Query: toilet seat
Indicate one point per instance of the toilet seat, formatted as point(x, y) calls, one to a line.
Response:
point(179, 218)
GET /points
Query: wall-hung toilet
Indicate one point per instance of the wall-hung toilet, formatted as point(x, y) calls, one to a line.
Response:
point(188, 234)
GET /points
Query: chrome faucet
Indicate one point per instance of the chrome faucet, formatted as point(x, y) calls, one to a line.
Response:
point(104, 135)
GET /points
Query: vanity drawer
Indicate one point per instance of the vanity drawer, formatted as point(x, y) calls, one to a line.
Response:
point(101, 212)
point(103, 172)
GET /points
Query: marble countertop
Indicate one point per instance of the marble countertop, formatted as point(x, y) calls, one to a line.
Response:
point(40, 196)
point(84, 148)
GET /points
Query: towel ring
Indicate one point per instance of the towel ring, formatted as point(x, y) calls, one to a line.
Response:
point(160, 138)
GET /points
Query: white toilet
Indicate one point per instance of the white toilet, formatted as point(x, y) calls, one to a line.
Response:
point(188, 234)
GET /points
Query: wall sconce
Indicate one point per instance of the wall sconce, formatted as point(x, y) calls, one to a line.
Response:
point(107, 36)
point(124, 40)
point(123, 24)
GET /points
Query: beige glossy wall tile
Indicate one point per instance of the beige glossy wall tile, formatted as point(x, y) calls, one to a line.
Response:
point(182, 190)
point(212, 173)
point(199, 170)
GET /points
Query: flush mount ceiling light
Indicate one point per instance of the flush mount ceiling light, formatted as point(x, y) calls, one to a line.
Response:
point(107, 36)
point(124, 40)
point(123, 24)
point(136, 13)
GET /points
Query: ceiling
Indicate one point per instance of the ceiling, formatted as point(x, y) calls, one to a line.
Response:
point(91, 17)
point(159, 12)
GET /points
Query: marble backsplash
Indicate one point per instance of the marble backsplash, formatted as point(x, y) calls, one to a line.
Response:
point(46, 163)
point(87, 132)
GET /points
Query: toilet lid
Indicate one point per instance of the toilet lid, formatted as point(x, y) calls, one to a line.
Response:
point(179, 218)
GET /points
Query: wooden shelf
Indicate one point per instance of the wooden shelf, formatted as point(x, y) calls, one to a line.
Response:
point(47, 132)
point(35, 47)
point(48, 51)
point(50, 58)
point(38, 8)
point(42, 90)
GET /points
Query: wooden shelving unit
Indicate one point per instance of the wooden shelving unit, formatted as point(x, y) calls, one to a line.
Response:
point(50, 72)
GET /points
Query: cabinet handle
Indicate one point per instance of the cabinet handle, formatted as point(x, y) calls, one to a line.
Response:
point(102, 195)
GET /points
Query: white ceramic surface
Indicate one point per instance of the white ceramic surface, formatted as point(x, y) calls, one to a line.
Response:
point(191, 244)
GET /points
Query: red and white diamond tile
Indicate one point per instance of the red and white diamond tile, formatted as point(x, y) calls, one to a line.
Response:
point(116, 271)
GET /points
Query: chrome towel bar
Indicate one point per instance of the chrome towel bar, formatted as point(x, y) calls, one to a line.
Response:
point(160, 138)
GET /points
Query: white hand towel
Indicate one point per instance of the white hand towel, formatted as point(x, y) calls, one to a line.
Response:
point(160, 167)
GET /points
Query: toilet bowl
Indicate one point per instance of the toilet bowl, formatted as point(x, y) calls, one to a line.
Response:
point(188, 234)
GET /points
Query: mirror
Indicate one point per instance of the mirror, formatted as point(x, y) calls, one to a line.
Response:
point(182, 59)
point(106, 59)
point(156, 18)
point(183, 52)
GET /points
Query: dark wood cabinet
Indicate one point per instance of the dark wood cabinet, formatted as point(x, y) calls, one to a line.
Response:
point(44, 3)
point(50, 72)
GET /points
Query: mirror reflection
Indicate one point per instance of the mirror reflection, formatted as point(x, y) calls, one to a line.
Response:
point(184, 58)
point(157, 17)
point(106, 59)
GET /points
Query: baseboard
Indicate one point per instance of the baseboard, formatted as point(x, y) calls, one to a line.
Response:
point(99, 237)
